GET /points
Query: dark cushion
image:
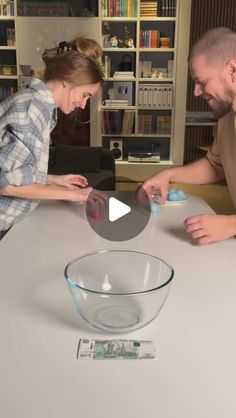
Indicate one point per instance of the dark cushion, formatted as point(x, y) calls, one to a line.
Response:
point(77, 159)
point(104, 180)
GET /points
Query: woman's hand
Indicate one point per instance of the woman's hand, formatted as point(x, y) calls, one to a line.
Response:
point(88, 195)
point(207, 228)
point(71, 181)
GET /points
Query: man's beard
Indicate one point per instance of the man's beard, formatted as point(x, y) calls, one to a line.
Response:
point(219, 109)
point(222, 109)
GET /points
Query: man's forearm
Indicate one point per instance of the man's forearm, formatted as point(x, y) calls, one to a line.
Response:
point(199, 172)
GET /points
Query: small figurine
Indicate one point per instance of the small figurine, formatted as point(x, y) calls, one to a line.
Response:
point(128, 41)
point(160, 74)
point(114, 41)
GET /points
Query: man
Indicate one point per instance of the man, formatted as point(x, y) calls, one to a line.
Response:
point(212, 64)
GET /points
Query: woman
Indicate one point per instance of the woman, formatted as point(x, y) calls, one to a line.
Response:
point(72, 75)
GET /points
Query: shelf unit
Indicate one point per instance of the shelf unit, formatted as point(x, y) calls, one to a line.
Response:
point(154, 122)
point(8, 49)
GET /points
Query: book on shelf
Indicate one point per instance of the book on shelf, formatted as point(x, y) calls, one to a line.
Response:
point(149, 38)
point(161, 8)
point(7, 91)
point(155, 95)
point(117, 122)
point(107, 66)
point(116, 103)
point(128, 122)
point(112, 121)
point(43, 8)
point(119, 8)
point(164, 125)
point(148, 8)
point(145, 124)
point(166, 8)
point(123, 74)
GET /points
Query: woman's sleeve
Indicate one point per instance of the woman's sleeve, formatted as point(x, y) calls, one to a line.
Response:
point(16, 160)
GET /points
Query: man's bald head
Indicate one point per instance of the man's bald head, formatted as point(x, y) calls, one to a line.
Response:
point(217, 46)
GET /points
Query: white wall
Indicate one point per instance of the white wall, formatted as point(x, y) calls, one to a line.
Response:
point(34, 34)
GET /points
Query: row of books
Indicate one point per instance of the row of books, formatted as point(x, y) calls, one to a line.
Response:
point(149, 95)
point(161, 8)
point(166, 8)
point(148, 8)
point(150, 124)
point(7, 8)
point(145, 124)
point(7, 91)
point(128, 8)
point(118, 122)
point(149, 38)
point(7, 37)
point(119, 8)
point(155, 95)
point(44, 8)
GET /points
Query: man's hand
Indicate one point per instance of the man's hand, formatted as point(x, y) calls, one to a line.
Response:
point(156, 184)
point(71, 181)
point(210, 228)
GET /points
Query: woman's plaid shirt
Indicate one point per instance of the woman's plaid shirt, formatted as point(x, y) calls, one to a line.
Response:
point(26, 121)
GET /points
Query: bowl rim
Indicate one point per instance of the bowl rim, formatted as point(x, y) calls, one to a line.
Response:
point(75, 285)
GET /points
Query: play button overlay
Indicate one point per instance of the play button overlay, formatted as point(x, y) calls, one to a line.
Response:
point(121, 218)
point(117, 209)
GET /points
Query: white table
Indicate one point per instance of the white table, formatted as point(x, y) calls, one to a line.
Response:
point(40, 377)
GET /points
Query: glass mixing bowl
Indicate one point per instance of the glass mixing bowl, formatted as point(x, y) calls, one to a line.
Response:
point(119, 290)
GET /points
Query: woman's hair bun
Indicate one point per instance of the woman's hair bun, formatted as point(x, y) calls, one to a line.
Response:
point(88, 47)
point(76, 62)
point(85, 46)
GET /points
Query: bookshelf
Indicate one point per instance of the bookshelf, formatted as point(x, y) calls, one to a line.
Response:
point(140, 41)
point(8, 49)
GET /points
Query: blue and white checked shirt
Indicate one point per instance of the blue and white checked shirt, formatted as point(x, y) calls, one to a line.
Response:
point(26, 121)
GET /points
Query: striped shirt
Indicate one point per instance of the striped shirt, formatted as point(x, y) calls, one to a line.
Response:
point(26, 121)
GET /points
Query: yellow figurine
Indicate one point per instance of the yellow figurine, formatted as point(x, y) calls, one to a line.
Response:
point(114, 41)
